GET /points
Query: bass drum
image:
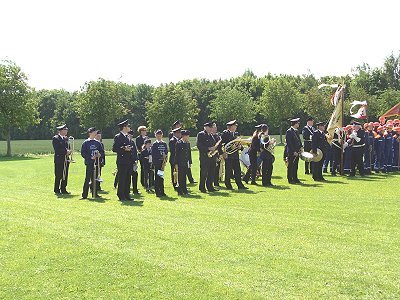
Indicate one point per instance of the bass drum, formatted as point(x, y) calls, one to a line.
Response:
point(245, 158)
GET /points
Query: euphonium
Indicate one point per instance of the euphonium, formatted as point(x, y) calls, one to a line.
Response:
point(235, 145)
point(215, 151)
point(268, 143)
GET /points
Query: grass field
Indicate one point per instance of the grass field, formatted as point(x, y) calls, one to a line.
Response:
point(335, 240)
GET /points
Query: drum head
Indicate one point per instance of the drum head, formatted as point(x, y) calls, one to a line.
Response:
point(245, 158)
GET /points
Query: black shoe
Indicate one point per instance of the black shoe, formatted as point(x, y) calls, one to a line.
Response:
point(213, 190)
point(229, 188)
point(307, 172)
point(136, 192)
point(297, 181)
point(121, 199)
point(163, 195)
point(203, 191)
point(83, 198)
point(97, 196)
point(253, 183)
point(216, 184)
point(65, 193)
point(193, 182)
point(57, 192)
point(243, 187)
point(269, 184)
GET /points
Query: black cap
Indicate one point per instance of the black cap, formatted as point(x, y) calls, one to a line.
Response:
point(320, 124)
point(131, 132)
point(264, 126)
point(294, 120)
point(158, 131)
point(230, 123)
point(176, 129)
point(176, 123)
point(208, 124)
point(91, 130)
point(123, 123)
point(258, 126)
point(310, 119)
point(355, 123)
point(98, 131)
point(62, 127)
point(147, 141)
point(185, 132)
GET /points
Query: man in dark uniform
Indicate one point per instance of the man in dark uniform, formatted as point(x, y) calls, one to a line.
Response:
point(369, 147)
point(339, 136)
point(254, 150)
point(172, 142)
point(292, 149)
point(103, 158)
point(357, 142)
point(217, 157)
point(122, 146)
point(91, 151)
point(181, 160)
point(307, 133)
point(177, 124)
point(159, 152)
point(205, 143)
point(232, 160)
point(319, 142)
point(266, 156)
point(134, 167)
point(142, 130)
point(61, 162)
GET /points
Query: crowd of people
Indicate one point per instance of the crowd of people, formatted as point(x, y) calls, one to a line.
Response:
point(368, 148)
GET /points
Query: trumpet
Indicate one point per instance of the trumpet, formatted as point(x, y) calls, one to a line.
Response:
point(235, 145)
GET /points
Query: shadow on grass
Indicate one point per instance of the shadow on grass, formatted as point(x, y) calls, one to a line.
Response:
point(167, 198)
point(64, 196)
point(335, 182)
point(276, 177)
point(17, 158)
point(279, 187)
point(132, 203)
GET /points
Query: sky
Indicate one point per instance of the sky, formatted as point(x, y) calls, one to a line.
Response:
point(63, 44)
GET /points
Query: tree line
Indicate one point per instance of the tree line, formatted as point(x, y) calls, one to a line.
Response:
point(27, 113)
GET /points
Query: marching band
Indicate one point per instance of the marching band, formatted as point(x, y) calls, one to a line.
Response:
point(368, 148)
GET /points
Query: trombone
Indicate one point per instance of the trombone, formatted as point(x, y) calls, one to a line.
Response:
point(96, 172)
point(68, 157)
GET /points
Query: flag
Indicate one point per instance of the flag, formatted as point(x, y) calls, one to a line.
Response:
point(394, 111)
point(335, 95)
point(362, 111)
point(336, 119)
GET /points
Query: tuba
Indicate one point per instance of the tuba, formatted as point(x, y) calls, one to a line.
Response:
point(235, 145)
point(268, 143)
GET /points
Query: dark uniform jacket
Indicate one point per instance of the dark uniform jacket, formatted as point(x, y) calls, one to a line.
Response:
point(226, 137)
point(361, 142)
point(293, 143)
point(60, 145)
point(123, 157)
point(145, 158)
point(204, 141)
point(172, 144)
point(182, 153)
point(157, 151)
point(255, 146)
point(319, 141)
point(139, 142)
point(134, 152)
point(307, 133)
point(88, 148)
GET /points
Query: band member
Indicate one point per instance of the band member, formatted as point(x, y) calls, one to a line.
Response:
point(181, 160)
point(396, 142)
point(357, 142)
point(122, 146)
point(379, 146)
point(177, 124)
point(205, 143)
point(61, 161)
point(91, 151)
point(369, 147)
point(338, 137)
point(218, 156)
point(307, 133)
point(253, 155)
point(103, 158)
point(159, 153)
point(172, 142)
point(232, 160)
point(319, 142)
point(266, 155)
point(189, 171)
point(328, 159)
point(388, 135)
point(293, 148)
point(134, 167)
point(142, 130)
point(147, 166)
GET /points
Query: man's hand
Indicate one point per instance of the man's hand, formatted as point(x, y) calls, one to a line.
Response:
point(211, 148)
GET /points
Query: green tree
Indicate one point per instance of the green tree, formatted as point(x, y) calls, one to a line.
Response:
point(99, 104)
point(316, 104)
point(170, 103)
point(231, 103)
point(279, 102)
point(18, 105)
point(387, 100)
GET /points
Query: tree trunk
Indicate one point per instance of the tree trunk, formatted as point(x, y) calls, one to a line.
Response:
point(281, 132)
point(8, 135)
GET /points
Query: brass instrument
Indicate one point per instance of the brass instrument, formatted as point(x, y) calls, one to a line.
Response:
point(96, 172)
point(68, 157)
point(268, 143)
point(175, 174)
point(235, 145)
point(221, 173)
point(211, 153)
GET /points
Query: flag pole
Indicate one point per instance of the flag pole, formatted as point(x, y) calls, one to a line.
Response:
point(343, 137)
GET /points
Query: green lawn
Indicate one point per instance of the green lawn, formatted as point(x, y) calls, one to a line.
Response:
point(336, 240)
